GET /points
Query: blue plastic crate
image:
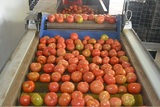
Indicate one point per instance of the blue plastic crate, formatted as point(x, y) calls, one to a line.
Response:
point(92, 33)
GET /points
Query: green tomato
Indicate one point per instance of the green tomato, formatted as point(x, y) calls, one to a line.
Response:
point(104, 37)
point(79, 46)
point(36, 99)
point(128, 99)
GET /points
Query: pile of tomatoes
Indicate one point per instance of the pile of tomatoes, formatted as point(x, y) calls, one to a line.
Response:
point(78, 70)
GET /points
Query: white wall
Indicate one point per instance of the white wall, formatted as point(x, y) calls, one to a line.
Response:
point(12, 26)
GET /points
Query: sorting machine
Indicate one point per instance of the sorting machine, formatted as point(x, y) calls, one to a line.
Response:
point(146, 69)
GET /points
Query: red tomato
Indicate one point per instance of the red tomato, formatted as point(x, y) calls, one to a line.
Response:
point(112, 88)
point(39, 52)
point(68, 56)
point(43, 40)
point(88, 77)
point(76, 76)
point(121, 53)
point(126, 64)
point(41, 59)
point(51, 99)
point(63, 62)
point(87, 97)
point(96, 52)
point(60, 19)
point(59, 58)
point(115, 102)
point(114, 60)
point(105, 60)
point(83, 61)
point(51, 59)
point(86, 37)
point(59, 68)
point(88, 46)
point(106, 66)
point(52, 45)
point(33, 76)
point(64, 99)
point(134, 88)
point(101, 41)
point(98, 72)
point(109, 79)
point(67, 41)
point(110, 72)
point(76, 94)
point(56, 76)
point(75, 52)
point(117, 66)
point(104, 95)
point(35, 66)
point(116, 45)
point(120, 79)
point(53, 87)
point(49, 51)
point(104, 54)
point(25, 100)
point(74, 36)
point(51, 18)
point(107, 47)
point(70, 19)
point(112, 20)
point(97, 60)
point(93, 66)
point(65, 77)
point(70, 47)
point(61, 45)
point(45, 77)
point(129, 69)
point(120, 71)
point(83, 68)
point(67, 87)
point(85, 16)
point(77, 102)
point(61, 52)
point(28, 86)
point(80, 57)
point(104, 103)
point(98, 46)
point(100, 78)
point(99, 19)
point(48, 68)
point(72, 67)
point(122, 89)
point(83, 87)
point(92, 103)
point(131, 77)
point(96, 87)
point(41, 46)
point(73, 60)
point(109, 41)
point(112, 53)
point(51, 40)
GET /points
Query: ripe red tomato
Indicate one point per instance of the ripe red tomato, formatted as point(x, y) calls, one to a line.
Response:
point(117, 66)
point(41, 46)
point(105, 60)
point(112, 88)
point(97, 60)
point(85, 16)
point(67, 87)
point(104, 103)
point(35, 66)
point(74, 36)
point(104, 54)
point(68, 56)
point(73, 60)
point(115, 102)
point(96, 52)
point(45, 77)
point(51, 18)
point(98, 46)
point(64, 99)
point(33, 76)
point(92, 103)
point(70, 47)
point(43, 40)
point(25, 100)
point(112, 20)
point(52, 45)
point(120, 71)
point(83, 87)
point(83, 61)
point(112, 53)
point(67, 41)
point(88, 46)
point(61, 52)
point(121, 53)
point(72, 67)
point(65, 77)
point(134, 88)
point(104, 95)
point(109, 79)
point(126, 64)
point(60, 19)
point(48, 68)
point(70, 19)
point(87, 97)
point(106, 67)
point(49, 51)
point(106, 47)
point(56, 76)
point(83, 68)
point(99, 19)
point(61, 45)
point(98, 72)
point(76, 76)
point(39, 52)
point(100, 78)
point(76, 94)
point(59, 58)
point(122, 89)
point(75, 53)
point(80, 57)
point(109, 41)
point(28, 86)
point(114, 60)
point(51, 99)
point(129, 69)
point(131, 77)
point(88, 77)
point(53, 87)
point(109, 71)
point(93, 66)
point(120, 79)
point(59, 68)
point(41, 59)
point(96, 87)
point(51, 59)
point(78, 101)
point(51, 40)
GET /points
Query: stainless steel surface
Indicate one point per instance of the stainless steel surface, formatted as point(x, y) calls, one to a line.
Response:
point(12, 67)
point(149, 65)
point(12, 27)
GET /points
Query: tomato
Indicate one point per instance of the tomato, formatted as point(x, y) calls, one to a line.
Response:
point(93, 66)
point(53, 87)
point(92, 103)
point(83, 87)
point(78, 41)
point(59, 68)
point(121, 53)
point(56, 76)
point(91, 17)
point(104, 103)
point(114, 60)
point(67, 41)
point(97, 60)
point(74, 36)
point(112, 88)
point(41, 46)
point(104, 37)
point(25, 100)
point(104, 54)
point(97, 46)
point(83, 61)
point(101, 41)
point(109, 71)
point(67, 56)
point(61, 45)
point(75, 52)
point(57, 36)
point(51, 59)
point(51, 40)
point(109, 79)
point(65, 77)
point(128, 99)
point(86, 53)
point(73, 60)
point(60, 19)
point(78, 101)
point(79, 46)
point(35, 66)
point(134, 88)
point(49, 51)
point(36, 99)
point(70, 19)
point(76, 76)
point(106, 67)
point(39, 52)
point(72, 67)
point(85, 16)
point(104, 95)
point(84, 42)
point(51, 18)
point(83, 68)
point(122, 89)
point(120, 79)
point(105, 60)
point(59, 58)
point(88, 46)
point(86, 37)
point(67, 87)
point(116, 45)
point(48, 68)
point(87, 97)
point(80, 57)
point(63, 62)
point(88, 77)
point(70, 47)
point(52, 45)
point(61, 52)
point(129, 69)
point(28, 86)
point(112, 53)
point(96, 87)
point(45, 77)
point(51, 99)
point(98, 72)
point(126, 64)
point(33, 76)
point(109, 41)
point(42, 40)
point(96, 52)
point(131, 77)
point(117, 66)
point(107, 47)
point(100, 78)
point(115, 102)
point(112, 20)
point(64, 99)
point(41, 59)
point(76, 94)
point(123, 59)
point(120, 71)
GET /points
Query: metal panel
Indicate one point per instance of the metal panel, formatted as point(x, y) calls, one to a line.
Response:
point(12, 26)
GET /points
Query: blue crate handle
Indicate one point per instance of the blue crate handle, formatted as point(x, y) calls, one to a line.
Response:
point(92, 34)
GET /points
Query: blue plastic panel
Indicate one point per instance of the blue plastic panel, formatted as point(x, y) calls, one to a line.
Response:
point(66, 33)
